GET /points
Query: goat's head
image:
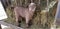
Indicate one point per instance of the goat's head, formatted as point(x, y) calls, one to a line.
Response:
point(32, 7)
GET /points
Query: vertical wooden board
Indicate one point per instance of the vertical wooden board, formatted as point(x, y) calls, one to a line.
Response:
point(0, 26)
point(2, 12)
point(57, 17)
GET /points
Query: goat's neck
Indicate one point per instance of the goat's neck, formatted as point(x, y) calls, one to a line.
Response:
point(31, 10)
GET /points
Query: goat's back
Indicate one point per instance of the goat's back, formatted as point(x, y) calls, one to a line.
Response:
point(21, 11)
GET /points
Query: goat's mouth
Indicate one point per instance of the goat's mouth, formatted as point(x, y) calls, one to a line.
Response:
point(32, 10)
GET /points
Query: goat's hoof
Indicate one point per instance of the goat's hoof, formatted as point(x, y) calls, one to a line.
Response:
point(27, 26)
point(18, 25)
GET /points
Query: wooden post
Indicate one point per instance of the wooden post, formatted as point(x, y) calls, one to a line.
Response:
point(47, 10)
point(7, 24)
point(0, 26)
point(57, 16)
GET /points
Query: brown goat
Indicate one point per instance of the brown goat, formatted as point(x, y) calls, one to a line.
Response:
point(26, 13)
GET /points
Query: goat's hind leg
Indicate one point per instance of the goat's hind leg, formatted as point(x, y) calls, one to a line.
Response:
point(17, 20)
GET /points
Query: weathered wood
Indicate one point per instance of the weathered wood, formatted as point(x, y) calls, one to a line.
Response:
point(13, 26)
point(57, 17)
point(0, 26)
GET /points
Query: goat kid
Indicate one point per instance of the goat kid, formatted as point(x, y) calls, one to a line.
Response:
point(26, 13)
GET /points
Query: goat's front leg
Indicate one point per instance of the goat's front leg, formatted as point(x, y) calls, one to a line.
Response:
point(27, 21)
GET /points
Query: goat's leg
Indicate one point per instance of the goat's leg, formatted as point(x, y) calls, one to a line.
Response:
point(17, 20)
point(16, 16)
point(27, 22)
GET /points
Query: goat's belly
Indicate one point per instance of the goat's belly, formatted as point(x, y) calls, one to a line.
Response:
point(21, 14)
